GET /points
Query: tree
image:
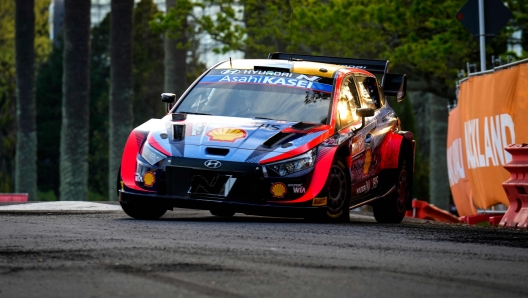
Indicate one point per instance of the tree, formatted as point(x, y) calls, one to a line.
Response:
point(121, 90)
point(148, 64)
point(26, 145)
point(49, 99)
point(8, 128)
point(75, 101)
point(176, 47)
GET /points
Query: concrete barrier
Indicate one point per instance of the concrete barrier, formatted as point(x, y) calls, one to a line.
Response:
point(516, 187)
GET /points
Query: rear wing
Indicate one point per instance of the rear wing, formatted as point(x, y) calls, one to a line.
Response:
point(393, 84)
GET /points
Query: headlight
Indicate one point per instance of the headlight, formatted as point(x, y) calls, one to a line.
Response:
point(294, 164)
point(152, 156)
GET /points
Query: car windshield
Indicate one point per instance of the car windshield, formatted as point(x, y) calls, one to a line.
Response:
point(265, 95)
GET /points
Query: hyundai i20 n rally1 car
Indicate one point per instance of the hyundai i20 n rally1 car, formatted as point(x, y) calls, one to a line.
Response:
point(292, 135)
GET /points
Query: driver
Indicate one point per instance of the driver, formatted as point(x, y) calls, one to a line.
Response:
point(242, 105)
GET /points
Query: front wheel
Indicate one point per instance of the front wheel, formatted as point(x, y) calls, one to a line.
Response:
point(391, 209)
point(143, 211)
point(338, 192)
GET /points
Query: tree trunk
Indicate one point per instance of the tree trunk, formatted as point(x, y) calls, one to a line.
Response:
point(175, 60)
point(438, 179)
point(26, 143)
point(75, 101)
point(121, 89)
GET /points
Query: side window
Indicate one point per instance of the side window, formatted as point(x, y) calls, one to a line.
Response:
point(348, 102)
point(369, 91)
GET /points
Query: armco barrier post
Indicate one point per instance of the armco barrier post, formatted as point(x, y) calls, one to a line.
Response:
point(516, 187)
point(13, 197)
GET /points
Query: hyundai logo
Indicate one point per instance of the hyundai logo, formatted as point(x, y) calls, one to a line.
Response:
point(213, 164)
point(230, 71)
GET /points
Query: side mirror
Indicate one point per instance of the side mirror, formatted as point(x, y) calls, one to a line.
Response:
point(365, 112)
point(169, 99)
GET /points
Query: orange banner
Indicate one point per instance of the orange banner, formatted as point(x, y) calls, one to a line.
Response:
point(492, 113)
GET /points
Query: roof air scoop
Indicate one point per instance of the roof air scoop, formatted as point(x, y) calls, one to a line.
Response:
point(280, 67)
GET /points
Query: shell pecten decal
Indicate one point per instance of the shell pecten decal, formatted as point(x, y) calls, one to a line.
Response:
point(227, 134)
point(148, 179)
point(278, 190)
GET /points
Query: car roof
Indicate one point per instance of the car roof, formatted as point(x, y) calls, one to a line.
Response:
point(302, 67)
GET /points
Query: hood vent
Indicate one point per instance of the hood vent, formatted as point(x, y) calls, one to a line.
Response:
point(216, 151)
point(178, 132)
point(279, 138)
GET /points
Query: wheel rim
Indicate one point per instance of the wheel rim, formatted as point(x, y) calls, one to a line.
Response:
point(402, 190)
point(336, 189)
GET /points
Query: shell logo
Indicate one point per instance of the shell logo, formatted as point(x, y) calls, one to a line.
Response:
point(148, 179)
point(278, 190)
point(226, 134)
point(367, 162)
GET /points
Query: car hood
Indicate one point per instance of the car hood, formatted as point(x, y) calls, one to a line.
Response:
point(232, 138)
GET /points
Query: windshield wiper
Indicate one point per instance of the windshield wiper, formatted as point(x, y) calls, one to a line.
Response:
point(263, 118)
point(195, 113)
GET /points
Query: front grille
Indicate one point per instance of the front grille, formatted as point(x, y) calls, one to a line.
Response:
point(202, 183)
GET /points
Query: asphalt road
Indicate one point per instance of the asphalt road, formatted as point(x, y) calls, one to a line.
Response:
point(193, 254)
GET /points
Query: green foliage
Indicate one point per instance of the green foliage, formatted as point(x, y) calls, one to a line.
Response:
point(99, 105)
point(8, 82)
point(148, 64)
point(404, 110)
point(7, 95)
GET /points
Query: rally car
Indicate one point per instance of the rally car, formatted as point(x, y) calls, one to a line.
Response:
point(292, 135)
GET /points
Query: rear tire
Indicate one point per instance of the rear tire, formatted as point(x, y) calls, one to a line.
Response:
point(391, 209)
point(142, 211)
point(338, 193)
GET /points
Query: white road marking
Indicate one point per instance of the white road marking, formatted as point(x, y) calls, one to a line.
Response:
point(60, 206)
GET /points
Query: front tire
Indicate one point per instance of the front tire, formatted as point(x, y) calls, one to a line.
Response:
point(143, 211)
point(338, 193)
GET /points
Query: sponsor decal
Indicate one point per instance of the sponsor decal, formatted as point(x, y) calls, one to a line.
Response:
point(368, 185)
point(197, 129)
point(267, 80)
point(278, 190)
point(358, 144)
point(308, 78)
point(368, 161)
point(226, 134)
point(230, 71)
point(297, 188)
point(270, 126)
point(148, 179)
point(319, 201)
point(497, 133)
point(268, 73)
point(138, 177)
point(356, 66)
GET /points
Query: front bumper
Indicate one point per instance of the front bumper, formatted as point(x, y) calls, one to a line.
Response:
point(297, 210)
point(240, 186)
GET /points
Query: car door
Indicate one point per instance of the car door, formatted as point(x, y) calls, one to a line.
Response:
point(372, 97)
